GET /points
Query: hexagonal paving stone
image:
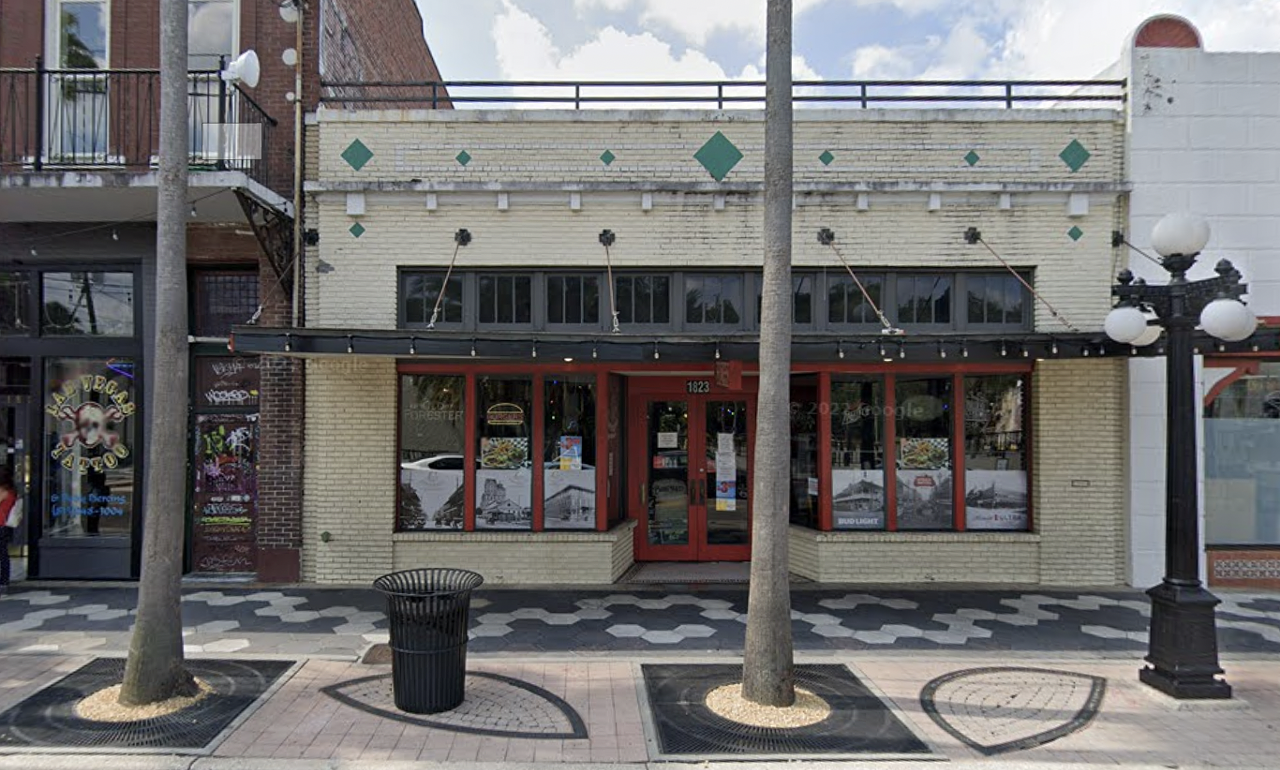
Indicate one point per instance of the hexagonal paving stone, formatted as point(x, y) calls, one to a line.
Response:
point(1106, 632)
point(662, 637)
point(683, 599)
point(529, 613)
point(366, 617)
point(714, 604)
point(653, 604)
point(227, 601)
point(818, 619)
point(87, 609)
point(42, 598)
point(719, 614)
point(899, 604)
point(20, 625)
point(45, 614)
point(226, 645)
point(272, 611)
point(874, 637)
point(973, 614)
point(902, 632)
point(192, 649)
point(945, 637)
point(204, 596)
point(626, 630)
point(338, 612)
point(107, 615)
point(695, 631)
point(217, 626)
point(592, 613)
point(619, 599)
point(560, 618)
point(378, 637)
point(264, 596)
point(848, 601)
point(496, 617)
point(832, 631)
point(303, 616)
point(496, 629)
point(354, 629)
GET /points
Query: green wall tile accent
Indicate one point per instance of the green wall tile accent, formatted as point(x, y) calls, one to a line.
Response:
point(357, 230)
point(607, 157)
point(463, 157)
point(1075, 233)
point(718, 156)
point(972, 158)
point(357, 155)
point(1074, 155)
point(826, 157)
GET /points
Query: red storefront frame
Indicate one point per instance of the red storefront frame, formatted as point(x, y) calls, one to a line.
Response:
point(667, 378)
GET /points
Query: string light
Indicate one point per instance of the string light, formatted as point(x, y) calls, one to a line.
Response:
point(594, 354)
point(473, 348)
point(840, 350)
point(656, 356)
point(1054, 348)
point(115, 236)
point(964, 351)
point(717, 351)
point(413, 346)
point(942, 351)
point(288, 343)
point(902, 350)
point(1004, 351)
point(535, 349)
point(350, 347)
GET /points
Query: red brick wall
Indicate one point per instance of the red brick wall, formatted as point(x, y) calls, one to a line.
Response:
point(21, 32)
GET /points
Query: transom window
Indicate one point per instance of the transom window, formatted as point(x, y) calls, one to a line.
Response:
point(827, 300)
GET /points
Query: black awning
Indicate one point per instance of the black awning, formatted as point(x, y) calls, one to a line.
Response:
point(526, 346)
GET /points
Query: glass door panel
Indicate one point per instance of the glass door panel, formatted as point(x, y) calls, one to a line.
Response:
point(666, 492)
point(727, 485)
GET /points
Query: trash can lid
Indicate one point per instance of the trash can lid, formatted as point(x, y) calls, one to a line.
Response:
point(428, 581)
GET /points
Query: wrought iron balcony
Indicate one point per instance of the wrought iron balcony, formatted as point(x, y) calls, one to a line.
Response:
point(88, 119)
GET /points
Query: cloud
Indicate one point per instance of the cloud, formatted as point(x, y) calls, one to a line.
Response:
point(961, 55)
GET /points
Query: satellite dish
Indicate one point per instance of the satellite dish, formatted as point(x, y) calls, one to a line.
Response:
point(245, 69)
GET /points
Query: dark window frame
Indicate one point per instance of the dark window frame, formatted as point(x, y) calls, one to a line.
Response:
point(542, 298)
point(459, 279)
point(197, 304)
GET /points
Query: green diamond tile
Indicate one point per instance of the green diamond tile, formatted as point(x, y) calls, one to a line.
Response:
point(826, 157)
point(718, 156)
point(607, 157)
point(1074, 155)
point(357, 155)
point(1075, 233)
point(357, 230)
point(463, 157)
point(972, 158)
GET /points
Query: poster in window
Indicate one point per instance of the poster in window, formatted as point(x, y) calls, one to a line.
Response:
point(570, 498)
point(924, 499)
point(432, 495)
point(571, 453)
point(504, 499)
point(225, 493)
point(859, 500)
point(995, 499)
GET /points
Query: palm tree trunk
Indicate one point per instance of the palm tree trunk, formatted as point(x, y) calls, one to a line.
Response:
point(768, 664)
point(155, 670)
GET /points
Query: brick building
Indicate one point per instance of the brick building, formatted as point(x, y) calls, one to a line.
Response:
point(78, 140)
point(463, 366)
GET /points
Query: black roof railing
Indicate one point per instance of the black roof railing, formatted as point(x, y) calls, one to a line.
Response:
point(723, 93)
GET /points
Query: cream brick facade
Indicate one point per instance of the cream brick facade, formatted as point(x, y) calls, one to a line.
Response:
point(668, 212)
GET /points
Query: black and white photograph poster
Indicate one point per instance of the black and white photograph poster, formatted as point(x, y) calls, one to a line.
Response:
point(995, 499)
point(859, 500)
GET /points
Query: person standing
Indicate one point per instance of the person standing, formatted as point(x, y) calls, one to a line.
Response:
point(11, 518)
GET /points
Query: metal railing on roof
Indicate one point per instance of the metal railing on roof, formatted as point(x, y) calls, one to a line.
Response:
point(722, 94)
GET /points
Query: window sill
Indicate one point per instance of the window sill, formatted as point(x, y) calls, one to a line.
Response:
point(508, 536)
point(990, 536)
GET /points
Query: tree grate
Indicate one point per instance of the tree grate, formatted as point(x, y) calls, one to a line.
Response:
point(860, 723)
point(47, 719)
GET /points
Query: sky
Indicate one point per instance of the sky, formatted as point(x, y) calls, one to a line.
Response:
point(832, 39)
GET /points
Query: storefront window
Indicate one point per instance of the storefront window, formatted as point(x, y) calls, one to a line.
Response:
point(924, 300)
point(924, 486)
point(995, 453)
point(504, 481)
point(89, 303)
point(573, 299)
point(420, 293)
point(846, 303)
point(995, 299)
point(506, 299)
point(857, 453)
point(713, 299)
point(15, 298)
point(569, 454)
point(1242, 461)
point(805, 413)
point(432, 447)
point(644, 299)
point(90, 418)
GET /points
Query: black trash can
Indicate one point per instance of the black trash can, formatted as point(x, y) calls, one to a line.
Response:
point(428, 613)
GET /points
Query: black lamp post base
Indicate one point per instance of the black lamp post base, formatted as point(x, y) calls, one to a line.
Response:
point(1184, 643)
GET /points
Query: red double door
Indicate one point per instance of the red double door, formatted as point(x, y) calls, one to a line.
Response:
point(689, 448)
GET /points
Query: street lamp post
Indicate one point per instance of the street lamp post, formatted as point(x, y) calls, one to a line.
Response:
point(1183, 652)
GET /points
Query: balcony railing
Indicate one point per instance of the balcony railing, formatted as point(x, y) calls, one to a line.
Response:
point(723, 94)
point(94, 119)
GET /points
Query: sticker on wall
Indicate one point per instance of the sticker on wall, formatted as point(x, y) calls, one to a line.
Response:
point(571, 453)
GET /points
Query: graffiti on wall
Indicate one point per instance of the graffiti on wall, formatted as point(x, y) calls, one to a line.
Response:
point(225, 493)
